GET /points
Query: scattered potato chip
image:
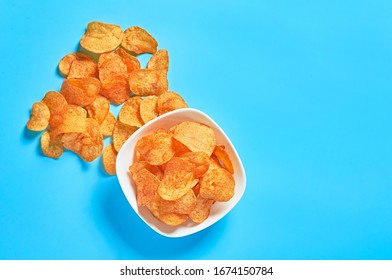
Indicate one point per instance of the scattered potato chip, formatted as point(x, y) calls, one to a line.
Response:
point(217, 184)
point(156, 148)
point(67, 60)
point(148, 82)
point(56, 103)
point(80, 91)
point(148, 108)
point(83, 69)
point(51, 145)
point(169, 101)
point(107, 126)
point(98, 109)
point(109, 157)
point(137, 40)
point(130, 112)
point(109, 65)
point(39, 117)
point(121, 133)
point(197, 137)
point(131, 62)
point(201, 211)
point(101, 37)
point(146, 186)
point(221, 153)
point(159, 61)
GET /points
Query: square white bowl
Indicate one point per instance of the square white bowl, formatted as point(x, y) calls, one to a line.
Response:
point(126, 157)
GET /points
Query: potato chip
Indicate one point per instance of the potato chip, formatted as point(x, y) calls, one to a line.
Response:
point(73, 121)
point(200, 161)
point(109, 157)
point(56, 103)
point(80, 91)
point(159, 61)
point(171, 219)
point(99, 109)
point(121, 133)
point(131, 62)
point(217, 184)
point(169, 101)
point(83, 69)
point(110, 64)
point(202, 209)
point(39, 117)
point(136, 166)
point(117, 90)
point(184, 205)
point(130, 112)
point(146, 186)
point(156, 148)
point(177, 180)
point(51, 145)
point(197, 137)
point(65, 63)
point(148, 108)
point(221, 153)
point(101, 37)
point(107, 126)
point(137, 41)
point(148, 82)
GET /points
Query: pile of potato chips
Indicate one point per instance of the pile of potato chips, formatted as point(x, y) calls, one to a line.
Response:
point(179, 173)
point(106, 71)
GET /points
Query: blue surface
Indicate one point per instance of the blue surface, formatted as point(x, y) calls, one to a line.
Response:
point(302, 88)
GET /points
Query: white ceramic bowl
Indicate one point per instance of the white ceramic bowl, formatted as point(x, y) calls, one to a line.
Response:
point(126, 156)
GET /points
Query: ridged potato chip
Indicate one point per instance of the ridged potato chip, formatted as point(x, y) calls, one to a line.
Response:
point(80, 91)
point(107, 126)
point(148, 82)
point(169, 101)
point(159, 61)
point(39, 117)
point(51, 145)
point(130, 112)
point(83, 69)
point(109, 157)
point(98, 109)
point(217, 184)
point(130, 61)
point(148, 108)
point(137, 41)
point(101, 37)
point(56, 103)
point(121, 133)
point(221, 153)
point(146, 186)
point(65, 63)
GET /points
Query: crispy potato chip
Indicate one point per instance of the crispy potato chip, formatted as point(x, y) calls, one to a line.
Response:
point(136, 166)
point(109, 157)
point(117, 90)
point(148, 82)
point(130, 112)
point(83, 69)
point(196, 189)
point(202, 209)
point(223, 156)
point(101, 37)
point(179, 148)
point(200, 161)
point(109, 65)
point(56, 103)
point(177, 180)
point(148, 108)
point(171, 219)
point(107, 126)
point(146, 186)
point(197, 137)
point(98, 109)
point(66, 61)
point(169, 101)
point(131, 62)
point(184, 205)
point(39, 117)
point(121, 133)
point(80, 91)
point(137, 40)
point(51, 145)
point(217, 184)
point(159, 61)
point(156, 148)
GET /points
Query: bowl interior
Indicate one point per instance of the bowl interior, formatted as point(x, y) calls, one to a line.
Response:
point(126, 157)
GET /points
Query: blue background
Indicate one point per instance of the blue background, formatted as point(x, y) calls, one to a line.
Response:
point(302, 88)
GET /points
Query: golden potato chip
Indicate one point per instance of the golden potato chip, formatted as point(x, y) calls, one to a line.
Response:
point(200, 161)
point(217, 184)
point(146, 186)
point(148, 108)
point(98, 109)
point(83, 69)
point(66, 61)
point(109, 157)
point(196, 189)
point(74, 110)
point(130, 112)
point(131, 62)
point(56, 103)
point(156, 148)
point(73, 121)
point(184, 205)
point(197, 137)
point(148, 82)
point(117, 90)
point(101, 37)
point(171, 219)
point(51, 145)
point(137, 40)
point(39, 117)
point(121, 133)
point(177, 180)
point(169, 101)
point(109, 65)
point(221, 153)
point(80, 91)
point(202, 209)
point(159, 61)
point(136, 166)
point(107, 126)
